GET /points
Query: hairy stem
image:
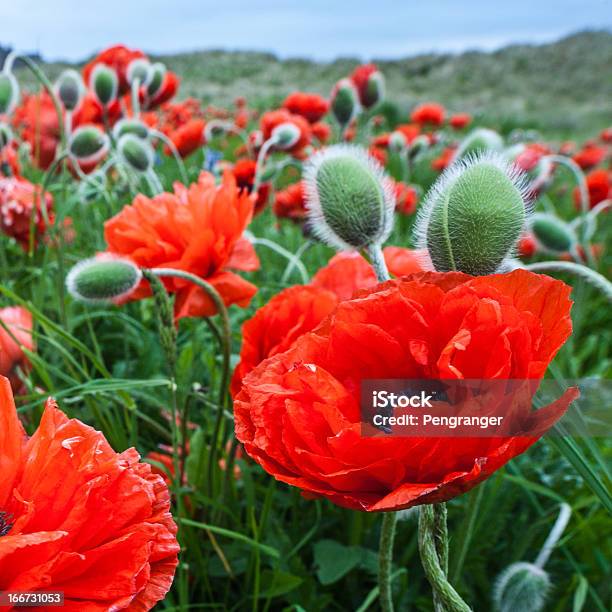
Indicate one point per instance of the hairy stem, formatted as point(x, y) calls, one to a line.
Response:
point(385, 560)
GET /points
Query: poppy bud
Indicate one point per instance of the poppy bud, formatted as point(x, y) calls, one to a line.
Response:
point(419, 144)
point(552, 234)
point(130, 126)
point(104, 84)
point(69, 88)
point(521, 586)
point(344, 102)
point(285, 135)
point(473, 215)
point(374, 90)
point(104, 278)
point(215, 128)
point(350, 199)
point(139, 69)
point(157, 74)
point(9, 92)
point(479, 141)
point(397, 142)
point(88, 144)
point(135, 152)
point(6, 135)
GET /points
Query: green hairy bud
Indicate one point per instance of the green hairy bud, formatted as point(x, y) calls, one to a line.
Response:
point(285, 135)
point(130, 126)
point(521, 586)
point(344, 102)
point(104, 83)
point(350, 200)
point(552, 234)
point(397, 142)
point(70, 89)
point(473, 215)
point(156, 78)
point(9, 93)
point(375, 90)
point(139, 70)
point(103, 279)
point(88, 144)
point(135, 152)
point(479, 141)
point(6, 135)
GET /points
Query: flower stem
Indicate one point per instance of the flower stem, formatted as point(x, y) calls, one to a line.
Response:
point(377, 259)
point(431, 548)
point(385, 560)
point(177, 158)
point(554, 535)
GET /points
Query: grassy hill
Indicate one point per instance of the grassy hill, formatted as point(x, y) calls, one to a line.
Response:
point(563, 89)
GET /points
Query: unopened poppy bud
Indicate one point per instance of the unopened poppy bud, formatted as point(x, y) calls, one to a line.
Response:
point(9, 93)
point(6, 135)
point(105, 278)
point(374, 90)
point(479, 141)
point(420, 143)
point(130, 126)
point(521, 586)
point(157, 74)
point(70, 88)
point(88, 144)
point(285, 135)
point(552, 234)
point(397, 142)
point(104, 84)
point(473, 215)
point(215, 128)
point(344, 102)
point(139, 69)
point(350, 199)
point(135, 152)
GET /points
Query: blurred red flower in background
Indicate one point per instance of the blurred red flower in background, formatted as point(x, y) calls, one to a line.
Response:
point(406, 198)
point(18, 334)
point(458, 121)
point(312, 107)
point(599, 185)
point(244, 172)
point(590, 156)
point(273, 119)
point(429, 113)
point(290, 203)
point(361, 78)
point(79, 518)
point(117, 57)
point(188, 137)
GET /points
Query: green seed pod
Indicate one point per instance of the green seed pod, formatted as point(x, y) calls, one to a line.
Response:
point(104, 84)
point(156, 79)
point(135, 153)
point(397, 142)
point(473, 215)
point(479, 141)
point(6, 135)
point(521, 586)
point(349, 198)
point(130, 126)
point(88, 144)
point(552, 234)
point(105, 278)
point(344, 102)
point(70, 88)
point(285, 135)
point(139, 69)
point(9, 93)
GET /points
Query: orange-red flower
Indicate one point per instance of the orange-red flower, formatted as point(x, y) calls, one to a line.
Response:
point(527, 245)
point(599, 187)
point(273, 119)
point(20, 208)
point(13, 339)
point(321, 131)
point(430, 113)
point(197, 229)
point(444, 159)
point(458, 121)
point(77, 517)
point(188, 137)
point(244, 171)
point(117, 57)
point(590, 156)
point(298, 412)
point(406, 198)
point(311, 106)
point(166, 92)
point(290, 203)
point(361, 79)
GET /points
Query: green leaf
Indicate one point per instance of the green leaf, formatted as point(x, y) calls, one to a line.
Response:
point(580, 594)
point(334, 560)
point(276, 583)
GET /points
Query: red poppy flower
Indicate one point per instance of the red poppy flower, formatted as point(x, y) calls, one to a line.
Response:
point(9, 161)
point(188, 137)
point(298, 412)
point(406, 198)
point(244, 171)
point(197, 229)
point(290, 203)
point(606, 135)
point(166, 92)
point(590, 156)
point(77, 517)
point(460, 120)
point(312, 107)
point(409, 130)
point(241, 119)
point(117, 57)
point(273, 119)
point(13, 340)
point(20, 205)
point(380, 155)
point(599, 186)
point(527, 245)
point(321, 131)
point(361, 79)
point(444, 159)
point(430, 113)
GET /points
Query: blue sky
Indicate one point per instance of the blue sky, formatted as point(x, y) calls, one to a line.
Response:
point(320, 29)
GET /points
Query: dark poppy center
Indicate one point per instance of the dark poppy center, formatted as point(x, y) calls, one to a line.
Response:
point(5, 523)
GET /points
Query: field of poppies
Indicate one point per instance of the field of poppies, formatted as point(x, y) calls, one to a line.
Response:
point(191, 297)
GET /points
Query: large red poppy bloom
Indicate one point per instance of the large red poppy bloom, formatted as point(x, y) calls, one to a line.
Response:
point(273, 119)
point(13, 339)
point(430, 113)
point(298, 412)
point(77, 517)
point(117, 57)
point(312, 107)
point(197, 229)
